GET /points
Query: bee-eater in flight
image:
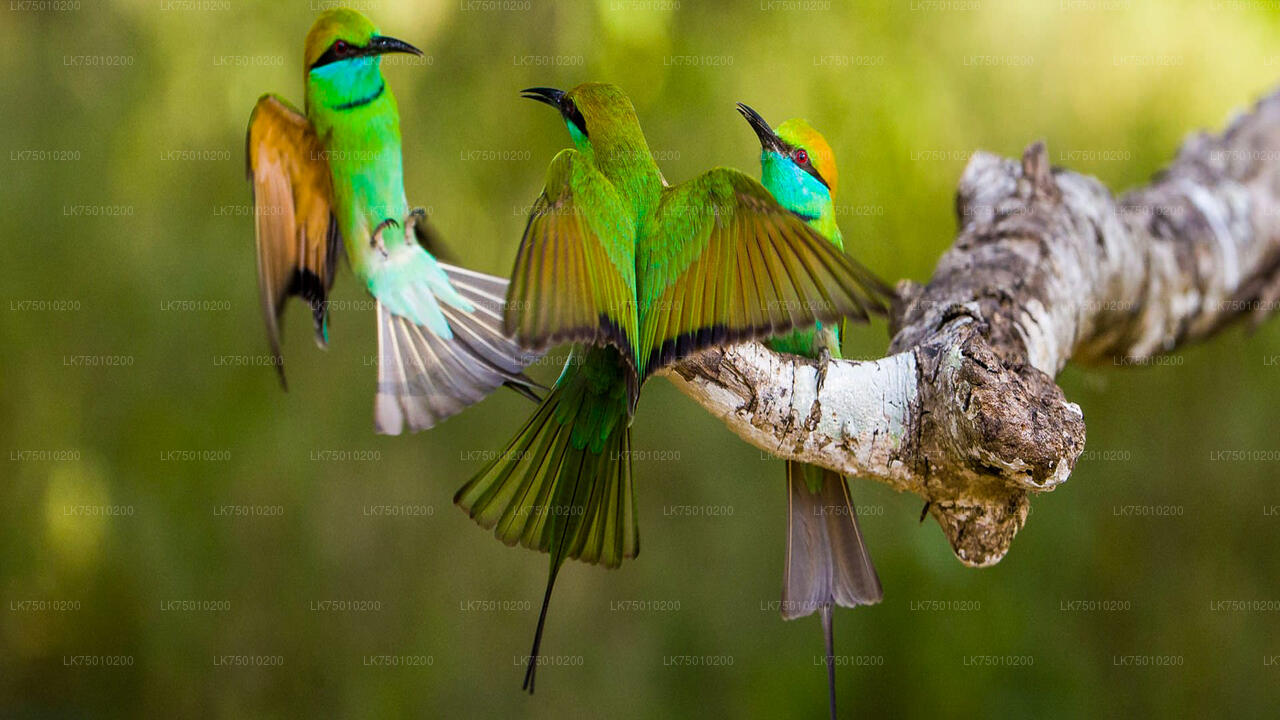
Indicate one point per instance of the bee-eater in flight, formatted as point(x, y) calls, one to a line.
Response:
point(827, 561)
point(331, 176)
point(640, 274)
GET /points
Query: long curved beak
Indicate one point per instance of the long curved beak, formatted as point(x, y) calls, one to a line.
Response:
point(381, 45)
point(550, 96)
point(769, 140)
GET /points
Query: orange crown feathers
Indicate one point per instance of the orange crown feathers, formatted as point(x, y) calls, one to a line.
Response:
point(801, 134)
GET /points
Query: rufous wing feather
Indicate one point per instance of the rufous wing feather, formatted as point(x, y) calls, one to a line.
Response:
point(297, 237)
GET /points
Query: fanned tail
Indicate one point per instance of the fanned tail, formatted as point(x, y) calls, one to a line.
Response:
point(425, 377)
point(563, 484)
point(827, 561)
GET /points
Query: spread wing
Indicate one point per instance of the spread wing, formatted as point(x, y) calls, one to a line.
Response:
point(575, 277)
point(727, 262)
point(297, 235)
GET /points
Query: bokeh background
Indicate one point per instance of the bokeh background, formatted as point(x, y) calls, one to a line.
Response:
point(180, 538)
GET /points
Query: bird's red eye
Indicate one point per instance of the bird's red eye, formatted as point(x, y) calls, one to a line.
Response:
point(340, 47)
point(801, 156)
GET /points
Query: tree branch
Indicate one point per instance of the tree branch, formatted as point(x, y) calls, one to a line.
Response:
point(1047, 266)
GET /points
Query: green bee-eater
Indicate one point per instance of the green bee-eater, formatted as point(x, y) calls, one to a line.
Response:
point(827, 562)
point(332, 176)
point(641, 274)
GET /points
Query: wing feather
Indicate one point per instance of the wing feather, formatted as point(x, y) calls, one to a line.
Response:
point(297, 237)
point(726, 262)
point(574, 279)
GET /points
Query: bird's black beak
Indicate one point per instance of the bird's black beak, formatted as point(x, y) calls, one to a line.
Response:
point(550, 96)
point(381, 45)
point(769, 140)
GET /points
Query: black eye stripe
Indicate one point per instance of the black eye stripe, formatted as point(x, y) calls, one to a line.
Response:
point(339, 50)
point(571, 111)
point(807, 166)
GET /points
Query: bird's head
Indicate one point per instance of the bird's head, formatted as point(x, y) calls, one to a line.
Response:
point(796, 163)
point(600, 117)
point(343, 55)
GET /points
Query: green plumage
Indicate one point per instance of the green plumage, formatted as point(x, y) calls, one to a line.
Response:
point(581, 425)
point(642, 274)
point(827, 561)
point(334, 177)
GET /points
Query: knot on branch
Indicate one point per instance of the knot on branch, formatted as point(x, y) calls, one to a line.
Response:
point(980, 533)
point(1008, 421)
point(993, 187)
point(1037, 174)
point(996, 429)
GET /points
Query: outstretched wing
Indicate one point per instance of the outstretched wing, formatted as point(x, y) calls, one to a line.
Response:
point(575, 277)
point(726, 262)
point(297, 236)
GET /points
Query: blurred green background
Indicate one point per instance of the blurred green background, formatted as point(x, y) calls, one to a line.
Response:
point(163, 501)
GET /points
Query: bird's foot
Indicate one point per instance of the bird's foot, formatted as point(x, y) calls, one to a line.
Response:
point(411, 221)
point(375, 240)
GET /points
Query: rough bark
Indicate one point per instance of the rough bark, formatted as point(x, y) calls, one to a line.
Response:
point(1047, 266)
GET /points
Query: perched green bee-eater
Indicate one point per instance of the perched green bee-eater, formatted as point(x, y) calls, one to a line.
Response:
point(642, 274)
point(827, 562)
point(333, 177)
